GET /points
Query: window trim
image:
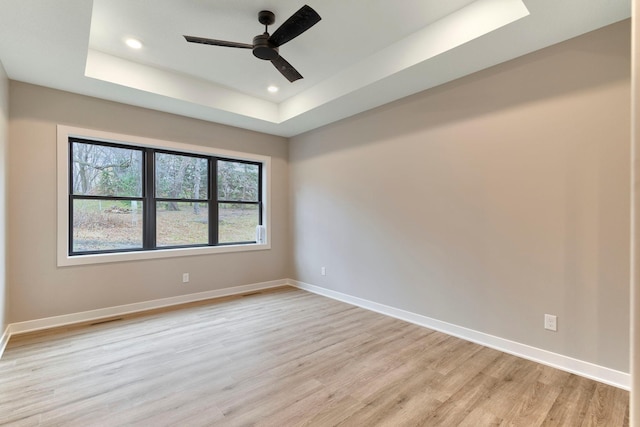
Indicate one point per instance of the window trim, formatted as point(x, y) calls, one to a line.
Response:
point(63, 229)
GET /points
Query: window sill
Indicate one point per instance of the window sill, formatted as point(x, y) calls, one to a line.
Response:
point(65, 260)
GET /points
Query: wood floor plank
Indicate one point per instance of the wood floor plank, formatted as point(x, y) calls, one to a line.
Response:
point(532, 407)
point(333, 413)
point(283, 358)
point(606, 407)
point(570, 408)
point(396, 404)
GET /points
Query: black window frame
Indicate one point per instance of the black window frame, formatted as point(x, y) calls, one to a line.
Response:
point(258, 203)
point(149, 199)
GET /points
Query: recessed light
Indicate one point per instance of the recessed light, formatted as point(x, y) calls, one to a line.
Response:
point(133, 43)
point(273, 89)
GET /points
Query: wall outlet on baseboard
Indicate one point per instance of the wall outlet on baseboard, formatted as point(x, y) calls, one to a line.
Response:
point(185, 277)
point(551, 322)
point(323, 271)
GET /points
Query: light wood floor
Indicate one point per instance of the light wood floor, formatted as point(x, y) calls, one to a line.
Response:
point(284, 358)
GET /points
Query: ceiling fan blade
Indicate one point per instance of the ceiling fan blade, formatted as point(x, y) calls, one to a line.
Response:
point(297, 24)
point(214, 42)
point(286, 69)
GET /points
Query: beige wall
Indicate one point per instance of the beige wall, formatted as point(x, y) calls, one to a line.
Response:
point(38, 288)
point(486, 202)
point(4, 133)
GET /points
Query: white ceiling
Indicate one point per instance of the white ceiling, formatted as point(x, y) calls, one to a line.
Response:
point(362, 54)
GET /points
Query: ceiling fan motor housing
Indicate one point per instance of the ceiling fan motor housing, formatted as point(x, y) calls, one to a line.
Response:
point(263, 49)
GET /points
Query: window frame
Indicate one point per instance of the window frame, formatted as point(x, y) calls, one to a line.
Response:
point(73, 197)
point(154, 199)
point(219, 201)
point(65, 258)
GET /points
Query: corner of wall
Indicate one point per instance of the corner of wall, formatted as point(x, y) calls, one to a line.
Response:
point(4, 137)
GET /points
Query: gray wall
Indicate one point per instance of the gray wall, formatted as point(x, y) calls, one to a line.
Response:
point(37, 287)
point(486, 202)
point(4, 133)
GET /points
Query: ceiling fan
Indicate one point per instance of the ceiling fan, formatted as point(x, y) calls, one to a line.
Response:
point(266, 46)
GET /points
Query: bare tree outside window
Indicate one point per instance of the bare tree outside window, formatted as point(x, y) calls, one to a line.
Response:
point(112, 221)
point(238, 201)
point(182, 212)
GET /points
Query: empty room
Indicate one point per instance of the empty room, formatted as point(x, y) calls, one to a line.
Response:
point(416, 213)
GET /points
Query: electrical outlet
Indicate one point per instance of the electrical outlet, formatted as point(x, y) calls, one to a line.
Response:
point(185, 277)
point(551, 322)
point(323, 271)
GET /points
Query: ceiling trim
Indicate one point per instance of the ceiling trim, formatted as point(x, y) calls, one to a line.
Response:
point(112, 69)
point(471, 22)
point(363, 56)
point(468, 23)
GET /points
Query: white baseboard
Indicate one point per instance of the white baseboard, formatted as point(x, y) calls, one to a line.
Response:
point(102, 313)
point(579, 367)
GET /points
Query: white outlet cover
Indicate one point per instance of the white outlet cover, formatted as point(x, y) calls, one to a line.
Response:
point(551, 322)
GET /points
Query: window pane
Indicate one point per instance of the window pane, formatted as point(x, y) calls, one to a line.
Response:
point(237, 181)
point(237, 222)
point(181, 177)
point(100, 170)
point(182, 223)
point(100, 225)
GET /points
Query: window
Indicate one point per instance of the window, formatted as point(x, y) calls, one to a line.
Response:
point(238, 200)
point(156, 199)
point(105, 202)
point(181, 200)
